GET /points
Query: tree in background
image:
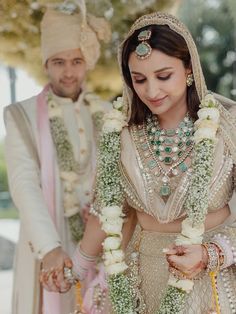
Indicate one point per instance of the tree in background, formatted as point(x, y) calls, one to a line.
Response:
point(213, 25)
point(20, 35)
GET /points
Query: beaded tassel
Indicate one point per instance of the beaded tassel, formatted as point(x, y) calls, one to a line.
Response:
point(79, 300)
point(213, 276)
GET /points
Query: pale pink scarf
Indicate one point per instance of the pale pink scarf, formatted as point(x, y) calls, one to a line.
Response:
point(51, 300)
point(98, 280)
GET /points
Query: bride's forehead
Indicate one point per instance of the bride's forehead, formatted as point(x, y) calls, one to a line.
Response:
point(157, 59)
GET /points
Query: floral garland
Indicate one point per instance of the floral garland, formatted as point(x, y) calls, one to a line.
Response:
point(109, 195)
point(68, 166)
point(196, 203)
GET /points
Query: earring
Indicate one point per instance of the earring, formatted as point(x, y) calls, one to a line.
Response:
point(189, 79)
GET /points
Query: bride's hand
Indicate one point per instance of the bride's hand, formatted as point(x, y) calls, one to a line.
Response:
point(190, 260)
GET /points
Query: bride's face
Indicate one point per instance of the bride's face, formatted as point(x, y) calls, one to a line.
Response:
point(160, 82)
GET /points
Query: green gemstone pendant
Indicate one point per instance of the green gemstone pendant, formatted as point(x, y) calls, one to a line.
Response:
point(143, 50)
point(151, 164)
point(169, 141)
point(168, 160)
point(165, 190)
point(170, 132)
point(144, 146)
point(183, 167)
point(188, 143)
point(168, 149)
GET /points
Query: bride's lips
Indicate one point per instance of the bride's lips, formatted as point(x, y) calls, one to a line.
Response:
point(157, 101)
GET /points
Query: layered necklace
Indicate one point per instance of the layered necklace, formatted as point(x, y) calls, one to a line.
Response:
point(169, 149)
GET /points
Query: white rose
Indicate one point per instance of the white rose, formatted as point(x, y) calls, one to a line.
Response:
point(54, 110)
point(114, 121)
point(112, 228)
point(113, 126)
point(69, 199)
point(190, 234)
point(116, 268)
point(112, 221)
point(204, 133)
point(208, 101)
point(189, 230)
point(118, 103)
point(182, 240)
point(209, 113)
point(114, 115)
point(69, 176)
point(69, 212)
point(95, 103)
point(184, 284)
point(68, 186)
point(201, 124)
point(112, 243)
point(113, 257)
point(112, 211)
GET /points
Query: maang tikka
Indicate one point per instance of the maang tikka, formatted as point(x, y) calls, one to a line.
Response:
point(143, 50)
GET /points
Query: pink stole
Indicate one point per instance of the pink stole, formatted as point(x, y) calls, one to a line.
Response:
point(51, 300)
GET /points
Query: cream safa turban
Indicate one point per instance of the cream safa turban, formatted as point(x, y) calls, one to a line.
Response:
point(62, 29)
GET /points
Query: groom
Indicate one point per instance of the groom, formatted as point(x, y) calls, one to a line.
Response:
point(50, 154)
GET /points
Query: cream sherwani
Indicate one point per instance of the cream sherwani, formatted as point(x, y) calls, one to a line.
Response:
point(38, 234)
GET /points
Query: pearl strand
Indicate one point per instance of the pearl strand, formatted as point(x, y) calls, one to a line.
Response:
point(230, 291)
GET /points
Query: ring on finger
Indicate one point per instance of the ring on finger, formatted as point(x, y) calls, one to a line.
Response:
point(70, 276)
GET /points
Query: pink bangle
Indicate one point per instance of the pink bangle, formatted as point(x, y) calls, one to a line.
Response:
point(82, 263)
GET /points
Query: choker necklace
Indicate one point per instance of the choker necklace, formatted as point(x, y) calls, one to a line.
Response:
point(169, 147)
